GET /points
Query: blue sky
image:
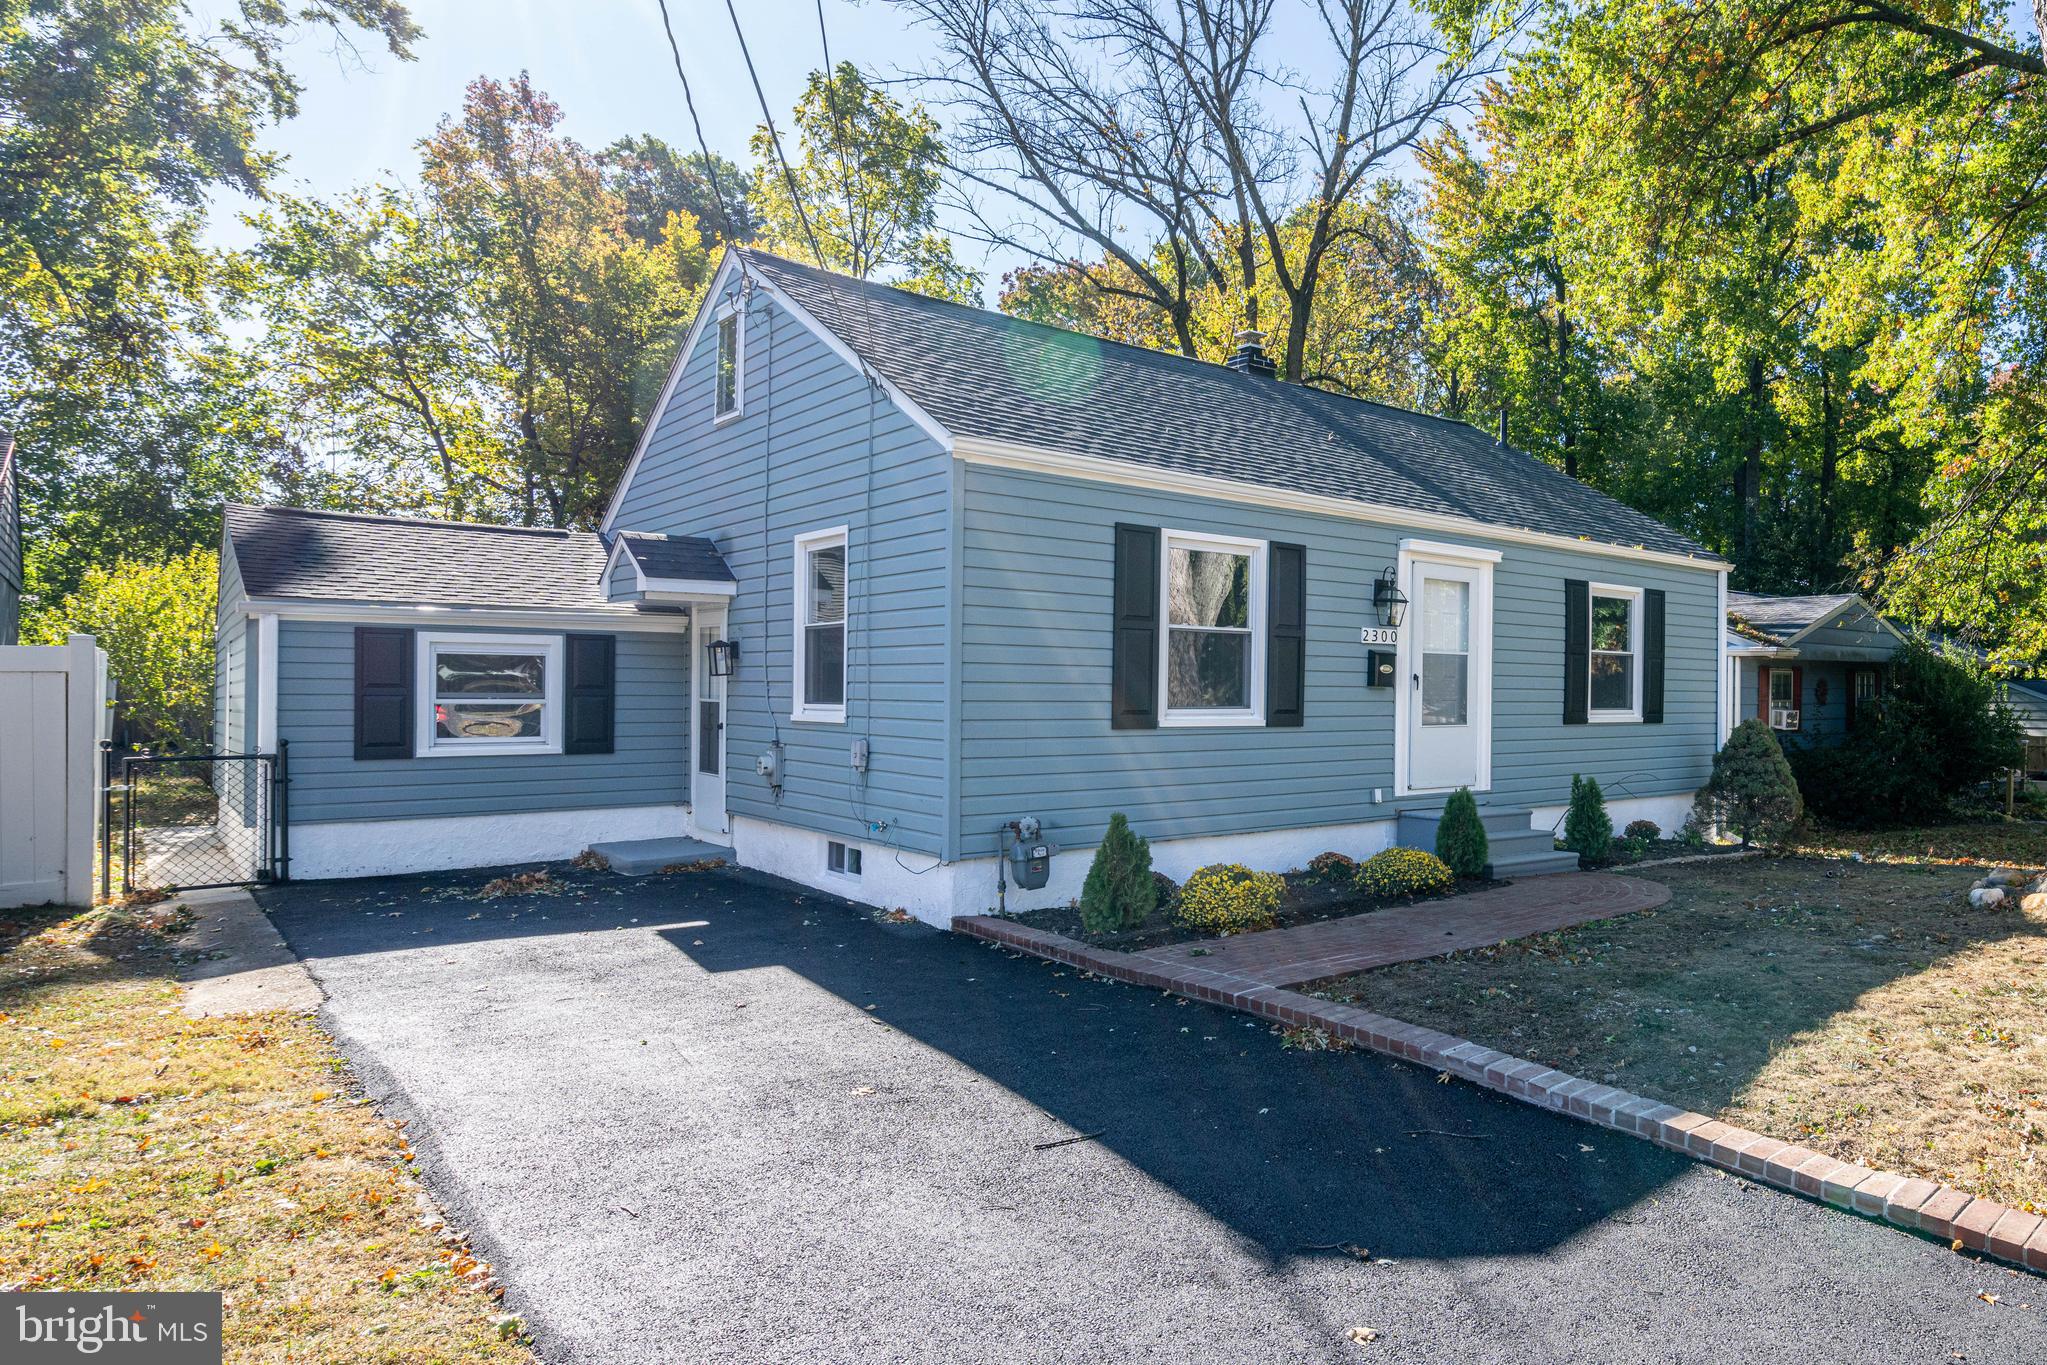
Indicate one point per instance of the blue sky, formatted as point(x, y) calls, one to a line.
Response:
point(604, 61)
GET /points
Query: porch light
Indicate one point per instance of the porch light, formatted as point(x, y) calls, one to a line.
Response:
point(722, 654)
point(1389, 599)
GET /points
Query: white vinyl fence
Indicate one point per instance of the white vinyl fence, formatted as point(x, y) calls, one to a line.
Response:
point(53, 711)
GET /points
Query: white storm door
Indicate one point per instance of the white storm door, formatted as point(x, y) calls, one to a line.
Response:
point(1449, 692)
point(707, 729)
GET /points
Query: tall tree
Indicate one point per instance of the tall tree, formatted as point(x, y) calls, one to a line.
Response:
point(1188, 134)
point(862, 188)
point(655, 180)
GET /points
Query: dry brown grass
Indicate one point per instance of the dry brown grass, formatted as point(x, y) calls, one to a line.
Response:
point(142, 1149)
point(1859, 1008)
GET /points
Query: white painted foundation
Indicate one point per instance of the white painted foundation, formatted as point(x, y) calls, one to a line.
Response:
point(1669, 812)
point(375, 848)
point(937, 893)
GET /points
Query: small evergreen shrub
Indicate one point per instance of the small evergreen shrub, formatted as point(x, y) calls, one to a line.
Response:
point(1938, 730)
point(1168, 890)
point(1333, 865)
point(1118, 892)
point(1460, 835)
point(1751, 792)
point(1404, 872)
point(1648, 831)
point(1228, 898)
point(1588, 829)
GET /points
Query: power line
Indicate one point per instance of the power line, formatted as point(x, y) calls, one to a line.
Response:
point(775, 137)
point(710, 162)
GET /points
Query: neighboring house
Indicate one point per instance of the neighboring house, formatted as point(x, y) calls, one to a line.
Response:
point(1803, 665)
point(2027, 698)
point(10, 545)
point(887, 575)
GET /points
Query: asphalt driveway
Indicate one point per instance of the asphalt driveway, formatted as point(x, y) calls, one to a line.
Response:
point(707, 1118)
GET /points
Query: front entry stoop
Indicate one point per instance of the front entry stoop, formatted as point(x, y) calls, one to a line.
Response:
point(1513, 847)
point(640, 857)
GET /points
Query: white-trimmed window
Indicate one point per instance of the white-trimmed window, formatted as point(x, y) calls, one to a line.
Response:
point(1212, 650)
point(489, 694)
point(842, 860)
point(819, 648)
point(729, 374)
point(1616, 668)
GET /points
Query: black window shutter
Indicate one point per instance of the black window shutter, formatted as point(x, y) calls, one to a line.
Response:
point(1286, 635)
point(592, 694)
point(1652, 656)
point(383, 692)
point(1577, 651)
point(1134, 670)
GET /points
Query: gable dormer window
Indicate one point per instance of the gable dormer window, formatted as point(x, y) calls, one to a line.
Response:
point(729, 397)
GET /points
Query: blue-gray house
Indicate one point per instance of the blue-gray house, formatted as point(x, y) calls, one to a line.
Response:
point(1805, 666)
point(887, 575)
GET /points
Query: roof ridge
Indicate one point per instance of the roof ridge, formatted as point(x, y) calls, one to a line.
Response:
point(392, 517)
point(1148, 352)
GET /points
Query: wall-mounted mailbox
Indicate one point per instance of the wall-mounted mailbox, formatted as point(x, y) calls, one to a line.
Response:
point(1383, 665)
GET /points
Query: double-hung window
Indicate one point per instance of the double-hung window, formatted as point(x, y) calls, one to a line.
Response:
point(819, 648)
point(728, 385)
point(489, 694)
point(1212, 654)
point(1616, 664)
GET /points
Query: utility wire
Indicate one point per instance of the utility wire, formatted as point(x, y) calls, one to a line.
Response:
point(710, 162)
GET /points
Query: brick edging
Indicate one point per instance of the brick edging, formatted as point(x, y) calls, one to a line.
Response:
point(1938, 1211)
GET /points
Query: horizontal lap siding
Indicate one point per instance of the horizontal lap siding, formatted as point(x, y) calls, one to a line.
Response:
point(806, 425)
point(1819, 723)
point(1037, 560)
point(316, 713)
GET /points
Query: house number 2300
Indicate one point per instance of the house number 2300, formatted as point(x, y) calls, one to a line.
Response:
point(1379, 635)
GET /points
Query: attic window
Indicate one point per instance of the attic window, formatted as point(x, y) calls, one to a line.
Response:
point(728, 397)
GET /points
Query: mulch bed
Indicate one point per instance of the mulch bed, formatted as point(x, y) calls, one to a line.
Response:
point(1309, 899)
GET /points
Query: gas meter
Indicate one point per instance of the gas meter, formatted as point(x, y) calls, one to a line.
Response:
point(1030, 854)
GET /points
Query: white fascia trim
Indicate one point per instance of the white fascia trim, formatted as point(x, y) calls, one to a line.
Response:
point(727, 267)
point(1437, 549)
point(1038, 460)
point(266, 682)
point(666, 589)
point(427, 617)
point(618, 552)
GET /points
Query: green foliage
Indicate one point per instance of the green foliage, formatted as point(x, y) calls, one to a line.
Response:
point(654, 180)
point(867, 176)
point(154, 618)
point(1460, 835)
point(1752, 791)
point(1939, 730)
point(1404, 872)
point(1229, 898)
point(1588, 829)
point(1119, 892)
point(1647, 831)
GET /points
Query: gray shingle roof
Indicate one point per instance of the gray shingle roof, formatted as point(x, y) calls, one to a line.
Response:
point(986, 375)
point(341, 556)
point(1783, 617)
point(677, 557)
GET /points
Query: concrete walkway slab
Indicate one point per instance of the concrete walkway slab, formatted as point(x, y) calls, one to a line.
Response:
point(241, 964)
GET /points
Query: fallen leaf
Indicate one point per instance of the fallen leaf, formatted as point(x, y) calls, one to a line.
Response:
point(1363, 1335)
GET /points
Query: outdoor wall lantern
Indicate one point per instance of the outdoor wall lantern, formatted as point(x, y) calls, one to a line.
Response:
point(1389, 599)
point(723, 654)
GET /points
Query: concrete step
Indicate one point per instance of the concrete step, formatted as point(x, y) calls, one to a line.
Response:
point(1417, 828)
point(639, 857)
point(1531, 865)
point(1519, 842)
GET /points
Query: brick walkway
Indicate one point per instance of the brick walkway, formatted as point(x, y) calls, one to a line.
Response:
point(1255, 982)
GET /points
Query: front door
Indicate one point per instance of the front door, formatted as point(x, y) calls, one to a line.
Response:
point(1448, 692)
point(707, 730)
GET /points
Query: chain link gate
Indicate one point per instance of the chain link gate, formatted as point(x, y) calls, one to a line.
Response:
point(201, 820)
